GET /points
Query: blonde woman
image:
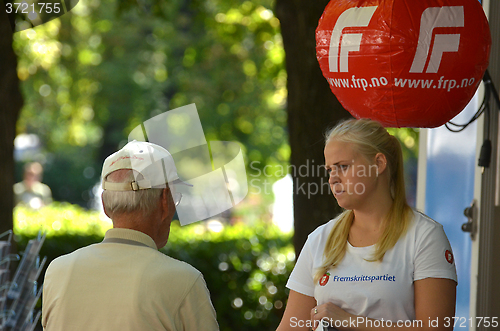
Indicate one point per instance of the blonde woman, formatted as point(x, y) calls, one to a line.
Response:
point(379, 265)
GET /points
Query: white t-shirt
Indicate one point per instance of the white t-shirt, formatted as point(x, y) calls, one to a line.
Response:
point(376, 289)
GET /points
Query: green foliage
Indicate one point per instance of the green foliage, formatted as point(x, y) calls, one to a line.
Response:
point(59, 219)
point(245, 267)
point(93, 74)
point(408, 138)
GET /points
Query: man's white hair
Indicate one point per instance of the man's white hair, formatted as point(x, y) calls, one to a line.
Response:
point(119, 202)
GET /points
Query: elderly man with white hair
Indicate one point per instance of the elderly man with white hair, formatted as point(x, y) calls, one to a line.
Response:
point(124, 282)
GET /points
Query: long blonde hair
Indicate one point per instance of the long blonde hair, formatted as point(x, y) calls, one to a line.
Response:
point(369, 138)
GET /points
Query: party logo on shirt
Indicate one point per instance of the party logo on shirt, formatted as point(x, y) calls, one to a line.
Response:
point(324, 279)
point(449, 256)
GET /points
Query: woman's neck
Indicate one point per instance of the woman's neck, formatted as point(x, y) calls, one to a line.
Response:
point(368, 223)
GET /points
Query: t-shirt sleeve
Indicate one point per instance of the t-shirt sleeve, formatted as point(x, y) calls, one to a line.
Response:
point(434, 256)
point(301, 279)
point(196, 310)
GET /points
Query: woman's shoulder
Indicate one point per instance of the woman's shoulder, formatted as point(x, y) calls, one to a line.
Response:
point(421, 220)
point(423, 225)
point(318, 238)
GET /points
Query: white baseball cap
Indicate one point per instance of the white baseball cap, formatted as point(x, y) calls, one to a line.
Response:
point(152, 161)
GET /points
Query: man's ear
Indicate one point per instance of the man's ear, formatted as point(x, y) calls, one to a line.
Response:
point(164, 201)
point(381, 162)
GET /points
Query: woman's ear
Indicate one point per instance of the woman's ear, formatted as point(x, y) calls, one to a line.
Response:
point(381, 162)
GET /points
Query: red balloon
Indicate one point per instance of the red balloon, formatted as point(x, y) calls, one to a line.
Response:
point(404, 63)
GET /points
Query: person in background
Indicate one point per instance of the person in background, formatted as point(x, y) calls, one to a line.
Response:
point(124, 283)
point(31, 192)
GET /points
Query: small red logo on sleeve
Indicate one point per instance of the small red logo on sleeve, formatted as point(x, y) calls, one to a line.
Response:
point(324, 279)
point(449, 256)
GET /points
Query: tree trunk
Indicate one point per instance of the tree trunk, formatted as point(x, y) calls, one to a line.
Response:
point(10, 105)
point(312, 109)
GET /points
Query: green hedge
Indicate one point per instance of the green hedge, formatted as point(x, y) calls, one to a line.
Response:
point(245, 266)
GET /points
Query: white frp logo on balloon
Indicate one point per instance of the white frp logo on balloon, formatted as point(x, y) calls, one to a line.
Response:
point(352, 17)
point(437, 17)
point(216, 170)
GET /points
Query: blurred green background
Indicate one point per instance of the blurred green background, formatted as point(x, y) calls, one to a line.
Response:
point(92, 75)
